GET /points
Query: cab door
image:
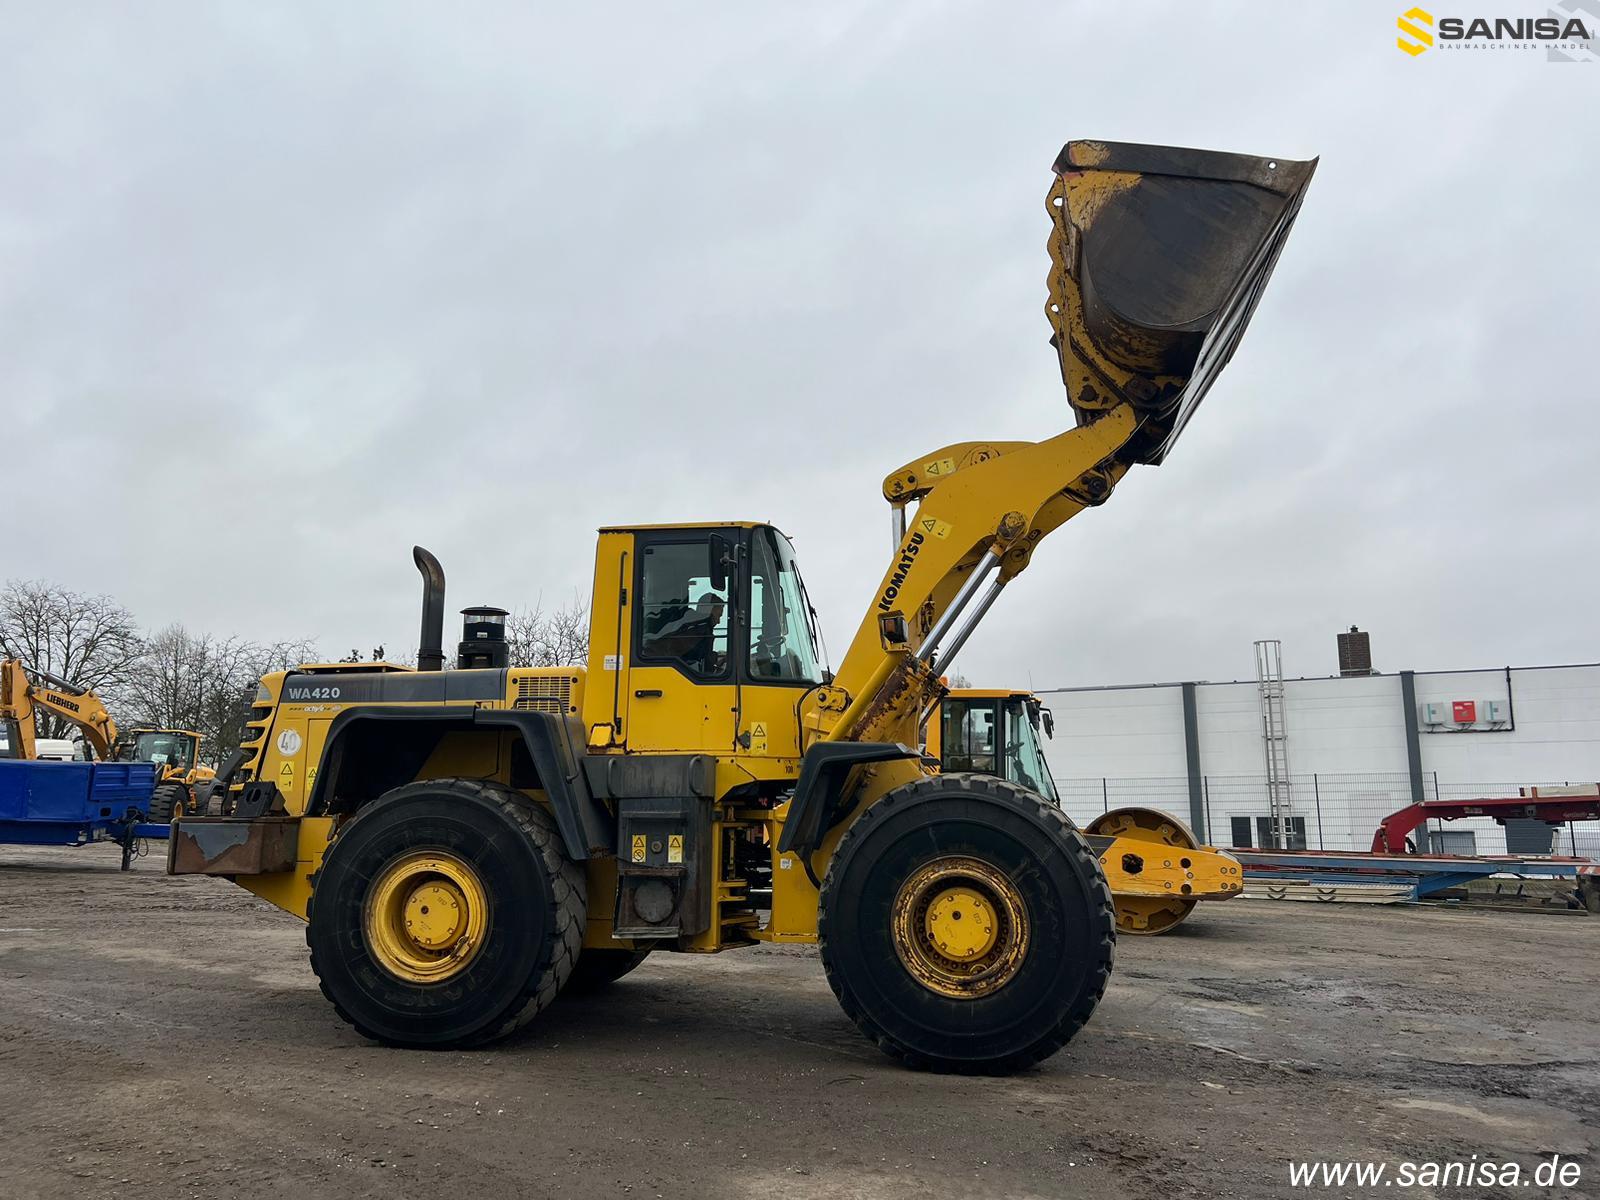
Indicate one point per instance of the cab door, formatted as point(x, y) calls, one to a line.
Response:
point(967, 739)
point(680, 680)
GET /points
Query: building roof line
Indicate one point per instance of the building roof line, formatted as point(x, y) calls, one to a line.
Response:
point(1131, 687)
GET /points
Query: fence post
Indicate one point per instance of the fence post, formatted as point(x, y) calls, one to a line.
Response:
point(1105, 797)
point(1316, 792)
point(1436, 785)
point(1206, 781)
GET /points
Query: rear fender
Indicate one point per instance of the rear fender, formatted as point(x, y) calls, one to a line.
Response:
point(370, 750)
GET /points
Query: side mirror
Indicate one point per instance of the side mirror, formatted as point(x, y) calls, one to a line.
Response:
point(720, 560)
point(1049, 723)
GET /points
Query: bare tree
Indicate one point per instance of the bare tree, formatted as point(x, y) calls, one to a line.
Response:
point(233, 710)
point(204, 682)
point(88, 639)
point(555, 639)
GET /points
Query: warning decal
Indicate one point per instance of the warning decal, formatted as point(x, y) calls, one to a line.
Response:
point(638, 848)
point(675, 848)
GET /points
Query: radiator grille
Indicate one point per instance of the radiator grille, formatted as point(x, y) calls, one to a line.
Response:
point(544, 693)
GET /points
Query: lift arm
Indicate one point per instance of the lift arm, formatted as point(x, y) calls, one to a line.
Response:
point(25, 691)
point(1158, 258)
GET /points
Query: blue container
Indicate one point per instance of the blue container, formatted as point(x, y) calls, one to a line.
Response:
point(70, 803)
point(121, 788)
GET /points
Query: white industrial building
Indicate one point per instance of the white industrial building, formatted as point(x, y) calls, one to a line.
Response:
point(1353, 748)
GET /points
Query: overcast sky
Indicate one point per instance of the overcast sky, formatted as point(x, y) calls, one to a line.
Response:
point(285, 289)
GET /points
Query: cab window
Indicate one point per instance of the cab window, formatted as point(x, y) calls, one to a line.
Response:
point(781, 646)
point(682, 619)
point(968, 738)
point(1025, 763)
point(164, 749)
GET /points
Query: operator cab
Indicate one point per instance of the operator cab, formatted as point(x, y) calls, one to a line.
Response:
point(997, 733)
point(719, 602)
point(165, 747)
point(700, 637)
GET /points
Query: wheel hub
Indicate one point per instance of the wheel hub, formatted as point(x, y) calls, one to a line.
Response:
point(961, 924)
point(426, 916)
point(435, 915)
point(960, 927)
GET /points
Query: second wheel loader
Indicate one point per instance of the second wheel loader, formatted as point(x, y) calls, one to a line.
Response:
point(463, 845)
point(186, 779)
point(996, 732)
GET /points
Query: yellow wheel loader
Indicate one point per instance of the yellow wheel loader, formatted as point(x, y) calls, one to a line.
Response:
point(26, 691)
point(996, 732)
point(466, 844)
point(186, 783)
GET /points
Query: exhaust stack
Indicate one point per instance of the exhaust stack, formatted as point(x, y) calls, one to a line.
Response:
point(430, 641)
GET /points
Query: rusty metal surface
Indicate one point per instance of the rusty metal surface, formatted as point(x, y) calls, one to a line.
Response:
point(894, 713)
point(1158, 258)
point(229, 846)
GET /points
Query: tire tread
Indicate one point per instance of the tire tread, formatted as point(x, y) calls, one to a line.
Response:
point(168, 800)
point(568, 908)
point(1022, 800)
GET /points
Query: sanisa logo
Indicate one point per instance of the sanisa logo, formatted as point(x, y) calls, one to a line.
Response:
point(1563, 34)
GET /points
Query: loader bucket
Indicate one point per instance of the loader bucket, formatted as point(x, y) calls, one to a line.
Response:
point(1158, 257)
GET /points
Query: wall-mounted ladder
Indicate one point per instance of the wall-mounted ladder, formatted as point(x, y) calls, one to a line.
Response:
point(1274, 740)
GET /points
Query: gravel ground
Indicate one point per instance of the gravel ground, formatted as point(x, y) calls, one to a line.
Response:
point(164, 1037)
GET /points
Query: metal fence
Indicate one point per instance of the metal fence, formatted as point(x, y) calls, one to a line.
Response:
point(1326, 812)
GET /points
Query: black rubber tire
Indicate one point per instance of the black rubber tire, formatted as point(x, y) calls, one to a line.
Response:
point(167, 801)
point(600, 968)
point(1072, 926)
point(537, 902)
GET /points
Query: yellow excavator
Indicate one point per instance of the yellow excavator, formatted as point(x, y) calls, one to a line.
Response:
point(26, 691)
point(996, 732)
point(465, 845)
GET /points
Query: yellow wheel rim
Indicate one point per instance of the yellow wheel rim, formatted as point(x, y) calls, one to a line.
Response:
point(426, 917)
point(960, 927)
point(1148, 914)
